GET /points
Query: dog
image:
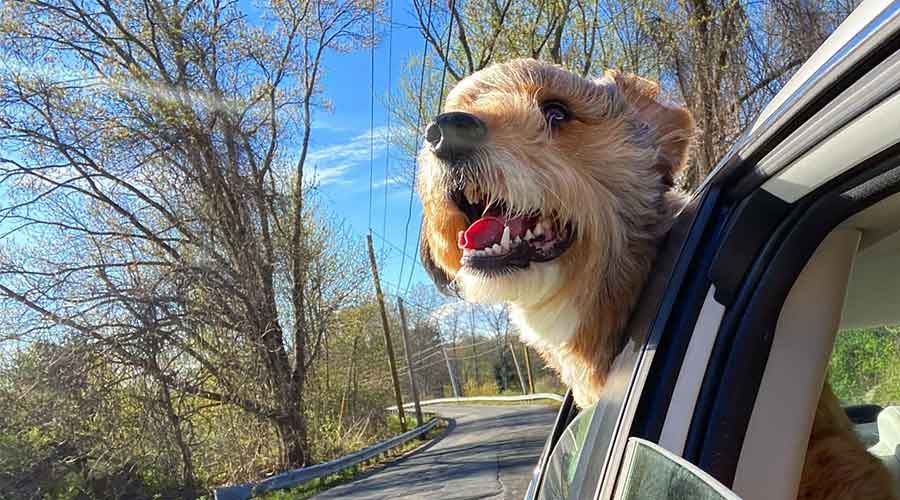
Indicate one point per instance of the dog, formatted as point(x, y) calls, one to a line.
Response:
point(551, 192)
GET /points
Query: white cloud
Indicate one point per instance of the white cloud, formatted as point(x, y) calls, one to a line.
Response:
point(391, 181)
point(334, 162)
point(331, 175)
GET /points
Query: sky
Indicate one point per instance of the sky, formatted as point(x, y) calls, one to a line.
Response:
point(340, 151)
point(341, 146)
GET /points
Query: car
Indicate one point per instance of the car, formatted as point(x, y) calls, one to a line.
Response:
point(792, 239)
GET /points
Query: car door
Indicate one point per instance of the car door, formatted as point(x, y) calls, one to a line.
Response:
point(756, 259)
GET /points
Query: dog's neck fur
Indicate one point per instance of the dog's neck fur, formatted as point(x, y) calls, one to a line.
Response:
point(581, 341)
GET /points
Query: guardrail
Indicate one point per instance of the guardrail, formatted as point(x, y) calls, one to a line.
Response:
point(527, 397)
point(294, 478)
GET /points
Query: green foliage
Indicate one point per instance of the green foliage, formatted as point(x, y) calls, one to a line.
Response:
point(865, 366)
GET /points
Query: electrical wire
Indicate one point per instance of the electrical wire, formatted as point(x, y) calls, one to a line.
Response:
point(440, 98)
point(420, 111)
point(390, 136)
point(372, 118)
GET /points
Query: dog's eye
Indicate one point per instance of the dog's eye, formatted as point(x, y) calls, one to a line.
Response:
point(555, 113)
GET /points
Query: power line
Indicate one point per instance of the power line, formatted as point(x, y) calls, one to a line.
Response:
point(387, 145)
point(466, 346)
point(440, 98)
point(384, 241)
point(372, 117)
point(423, 358)
point(420, 110)
point(480, 354)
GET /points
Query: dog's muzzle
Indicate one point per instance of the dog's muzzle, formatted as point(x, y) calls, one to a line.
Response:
point(454, 136)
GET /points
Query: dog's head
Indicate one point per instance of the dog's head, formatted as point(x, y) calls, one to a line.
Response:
point(539, 185)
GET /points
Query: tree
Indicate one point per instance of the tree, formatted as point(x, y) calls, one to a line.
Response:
point(727, 59)
point(723, 58)
point(154, 152)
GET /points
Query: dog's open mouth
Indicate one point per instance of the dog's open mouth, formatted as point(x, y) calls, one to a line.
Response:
point(498, 240)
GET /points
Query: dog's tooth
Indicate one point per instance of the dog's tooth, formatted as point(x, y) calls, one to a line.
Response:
point(518, 240)
point(538, 229)
point(505, 240)
point(529, 235)
point(497, 249)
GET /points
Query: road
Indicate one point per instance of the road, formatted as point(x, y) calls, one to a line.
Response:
point(488, 452)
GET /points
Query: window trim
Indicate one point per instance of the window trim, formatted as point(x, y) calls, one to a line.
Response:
point(744, 341)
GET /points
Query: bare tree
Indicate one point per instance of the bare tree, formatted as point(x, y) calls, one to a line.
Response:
point(729, 58)
point(150, 149)
point(723, 58)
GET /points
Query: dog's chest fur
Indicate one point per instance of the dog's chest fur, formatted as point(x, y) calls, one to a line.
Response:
point(550, 331)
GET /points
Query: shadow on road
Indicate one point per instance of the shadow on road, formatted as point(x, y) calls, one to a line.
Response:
point(486, 452)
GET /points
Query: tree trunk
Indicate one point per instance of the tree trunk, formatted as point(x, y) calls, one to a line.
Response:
point(188, 479)
point(292, 434)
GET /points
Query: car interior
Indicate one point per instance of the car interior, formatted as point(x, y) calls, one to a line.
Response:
point(873, 299)
point(850, 282)
point(792, 242)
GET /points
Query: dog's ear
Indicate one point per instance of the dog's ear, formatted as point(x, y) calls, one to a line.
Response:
point(672, 126)
point(438, 275)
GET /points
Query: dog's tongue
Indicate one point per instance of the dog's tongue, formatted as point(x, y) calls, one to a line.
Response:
point(482, 233)
point(488, 231)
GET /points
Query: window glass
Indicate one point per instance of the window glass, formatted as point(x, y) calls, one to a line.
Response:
point(563, 461)
point(865, 366)
point(655, 474)
point(865, 370)
point(579, 457)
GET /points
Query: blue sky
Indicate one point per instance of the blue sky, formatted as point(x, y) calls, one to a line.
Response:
point(340, 149)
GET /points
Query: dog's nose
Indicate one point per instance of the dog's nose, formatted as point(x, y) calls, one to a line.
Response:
point(455, 135)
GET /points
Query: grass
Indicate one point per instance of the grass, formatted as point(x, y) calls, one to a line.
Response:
point(316, 486)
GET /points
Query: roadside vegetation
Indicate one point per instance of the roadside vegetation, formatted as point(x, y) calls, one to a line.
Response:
point(180, 310)
point(311, 488)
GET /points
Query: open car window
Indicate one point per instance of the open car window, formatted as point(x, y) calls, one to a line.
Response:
point(651, 472)
point(563, 461)
point(591, 445)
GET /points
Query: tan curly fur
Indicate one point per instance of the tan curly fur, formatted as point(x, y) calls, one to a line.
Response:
point(609, 173)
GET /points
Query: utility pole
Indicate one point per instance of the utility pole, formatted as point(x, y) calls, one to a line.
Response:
point(475, 359)
point(349, 392)
point(504, 370)
point(528, 369)
point(409, 364)
point(387, 334)
point(518, 369)
point(450, 371)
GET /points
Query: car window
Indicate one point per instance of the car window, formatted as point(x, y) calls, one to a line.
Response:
point(563, 461)
point(653, 473)
point(864, 372)
point(579, 457)
point(865, 366)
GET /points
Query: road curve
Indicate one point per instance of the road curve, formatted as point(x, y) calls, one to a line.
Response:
point(488, 452)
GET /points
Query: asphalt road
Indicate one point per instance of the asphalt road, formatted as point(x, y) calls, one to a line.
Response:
point(488, 452)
